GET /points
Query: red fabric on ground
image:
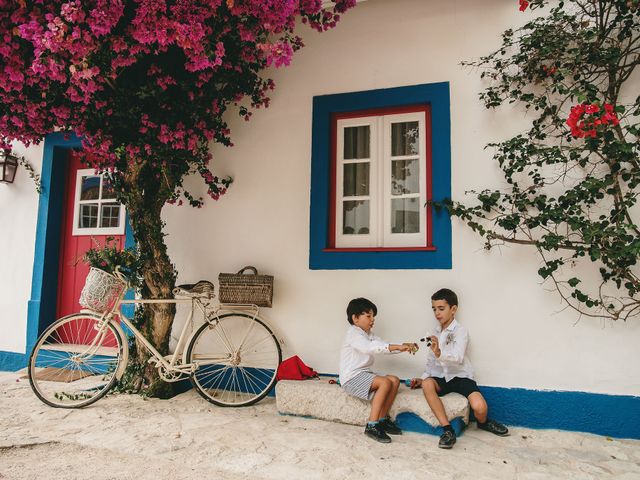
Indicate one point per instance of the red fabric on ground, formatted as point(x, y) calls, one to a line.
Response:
point(294, 369)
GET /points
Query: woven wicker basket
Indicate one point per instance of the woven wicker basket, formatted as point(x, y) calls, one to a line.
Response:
point(101, 291)
point(246, 289)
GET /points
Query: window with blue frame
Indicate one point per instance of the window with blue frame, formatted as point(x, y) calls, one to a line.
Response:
point(378, 158)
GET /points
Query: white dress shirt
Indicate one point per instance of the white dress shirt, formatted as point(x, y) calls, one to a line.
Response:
point(357, 352)
point(453, 362)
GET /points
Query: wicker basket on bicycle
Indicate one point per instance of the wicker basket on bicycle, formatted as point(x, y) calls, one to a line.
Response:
point(101, 290)
point(241, 288)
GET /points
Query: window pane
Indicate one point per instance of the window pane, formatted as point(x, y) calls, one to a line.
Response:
point(356, 142)
point(88, 216)
point(355, 217)
point(90, 188)
point(405, 177)
point(404, 139)
point(356, 179)
point(110, 215)
point(107, 189)
point(405, 215)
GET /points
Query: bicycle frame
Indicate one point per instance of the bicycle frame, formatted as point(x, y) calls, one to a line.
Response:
point(170, 362)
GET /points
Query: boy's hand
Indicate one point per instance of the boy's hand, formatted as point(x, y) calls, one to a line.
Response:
point(415, 383)
point(435, 347)
point(401, 348)
point(413, 347)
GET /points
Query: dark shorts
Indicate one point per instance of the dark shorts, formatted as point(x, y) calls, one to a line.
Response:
point(463, 386)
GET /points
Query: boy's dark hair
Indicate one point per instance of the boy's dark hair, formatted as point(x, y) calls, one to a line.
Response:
point(358, 306)
point(447, 295)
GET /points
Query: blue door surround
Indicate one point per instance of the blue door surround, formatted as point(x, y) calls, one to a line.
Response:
point(41, 310)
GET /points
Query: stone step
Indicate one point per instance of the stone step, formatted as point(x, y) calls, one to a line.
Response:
point(317, 398)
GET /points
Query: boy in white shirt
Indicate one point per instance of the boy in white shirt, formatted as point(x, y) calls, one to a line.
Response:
point(356, 377)
point(449, 370)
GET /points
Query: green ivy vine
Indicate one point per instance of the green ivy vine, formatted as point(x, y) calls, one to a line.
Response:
point(573, 176)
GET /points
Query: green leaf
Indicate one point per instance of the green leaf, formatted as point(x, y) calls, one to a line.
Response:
point(573, 281)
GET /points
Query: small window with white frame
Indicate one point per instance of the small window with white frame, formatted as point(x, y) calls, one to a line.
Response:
point(95, 209)
point(381, 171)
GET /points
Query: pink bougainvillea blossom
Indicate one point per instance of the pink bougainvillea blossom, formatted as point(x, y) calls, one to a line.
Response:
point(277, 54)
point(144, 81)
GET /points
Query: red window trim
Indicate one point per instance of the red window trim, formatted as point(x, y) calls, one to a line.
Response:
point(376, 112)
point(381, 249)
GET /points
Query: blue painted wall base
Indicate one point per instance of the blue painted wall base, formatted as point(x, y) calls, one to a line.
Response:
point(185, 385)
point(11, 361)
point(410, 422)
point(612, 415)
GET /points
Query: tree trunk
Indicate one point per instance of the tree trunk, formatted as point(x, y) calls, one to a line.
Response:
point(144, 206)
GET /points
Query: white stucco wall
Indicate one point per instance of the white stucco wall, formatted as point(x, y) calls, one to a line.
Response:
point(520, 335)
point(18, 215)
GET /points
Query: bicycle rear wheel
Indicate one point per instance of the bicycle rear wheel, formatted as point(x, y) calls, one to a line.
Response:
point(237, 357)
point(74, 362)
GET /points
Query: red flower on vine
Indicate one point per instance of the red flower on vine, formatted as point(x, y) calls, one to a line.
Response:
point(523, 5)
point(549, 70)
point(585, 119)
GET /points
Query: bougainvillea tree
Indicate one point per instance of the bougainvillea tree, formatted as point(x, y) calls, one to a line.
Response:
point(146, 84)
point(573, 176)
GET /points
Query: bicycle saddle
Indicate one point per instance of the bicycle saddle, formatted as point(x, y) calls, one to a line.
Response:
point(203, 287)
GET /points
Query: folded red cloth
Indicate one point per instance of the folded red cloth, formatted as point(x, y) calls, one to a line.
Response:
point(294, 369)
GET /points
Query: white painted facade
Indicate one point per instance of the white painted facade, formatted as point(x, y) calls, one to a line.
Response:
point(18, 219)
point(520, 334)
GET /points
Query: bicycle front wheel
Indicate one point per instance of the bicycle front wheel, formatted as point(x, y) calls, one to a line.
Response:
point(237, 358)
point(75, 360)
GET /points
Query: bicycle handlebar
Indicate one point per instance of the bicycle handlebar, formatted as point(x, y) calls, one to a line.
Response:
point(121, 276)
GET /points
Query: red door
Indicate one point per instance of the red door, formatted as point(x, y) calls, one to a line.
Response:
point(91, 214)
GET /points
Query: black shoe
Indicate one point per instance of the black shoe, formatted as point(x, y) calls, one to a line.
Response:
point(494, 427)
point(389, 426)
point(447, 439)
point(377, 433)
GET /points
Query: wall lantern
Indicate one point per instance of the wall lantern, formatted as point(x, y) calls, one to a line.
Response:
point(8, 167)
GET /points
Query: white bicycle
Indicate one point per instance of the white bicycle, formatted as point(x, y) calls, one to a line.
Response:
point(231, 359)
